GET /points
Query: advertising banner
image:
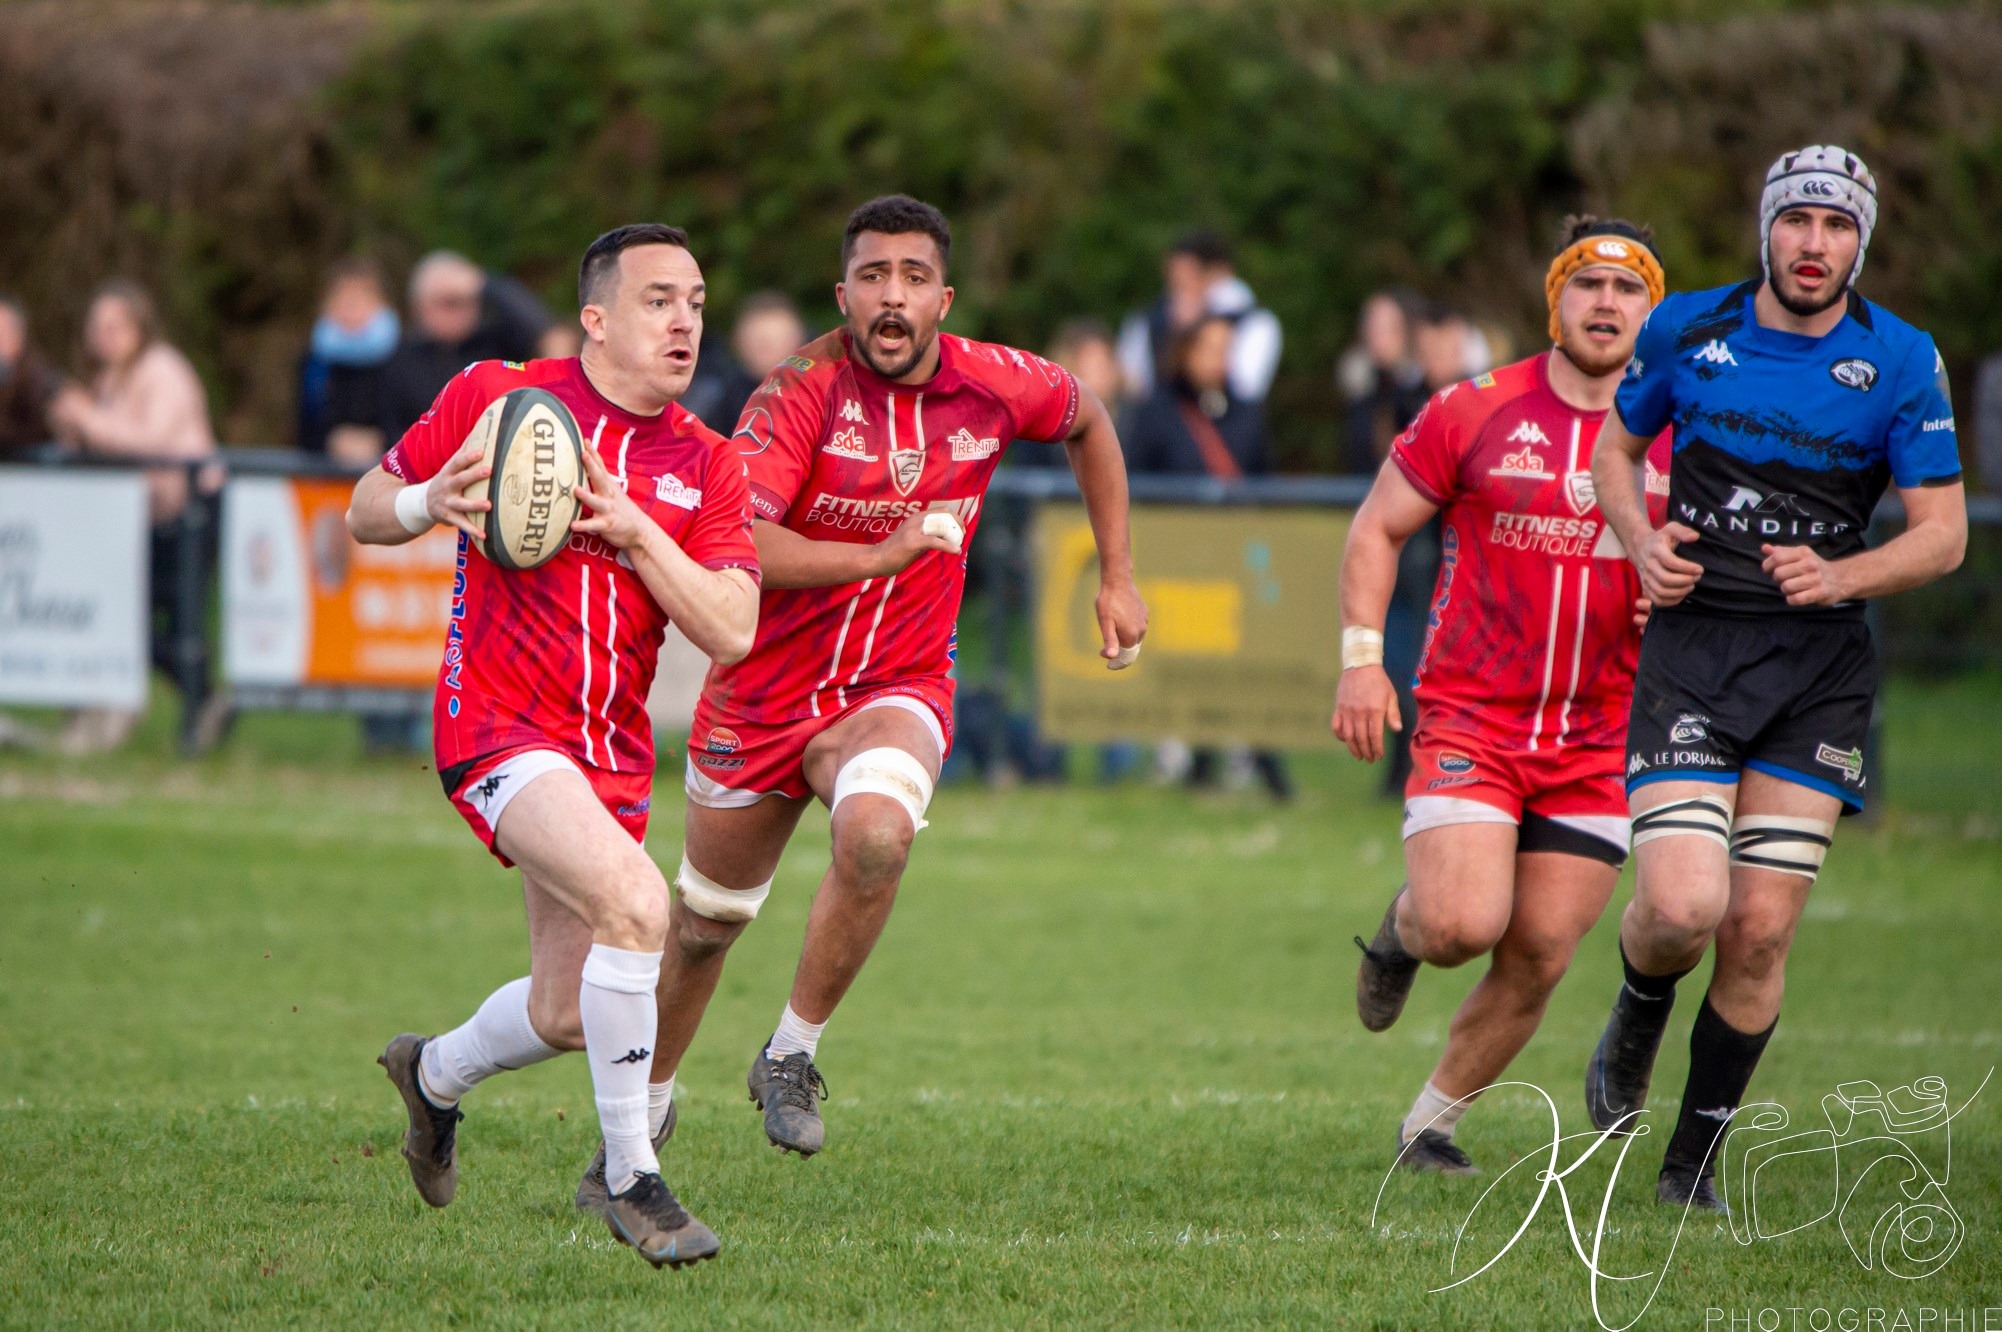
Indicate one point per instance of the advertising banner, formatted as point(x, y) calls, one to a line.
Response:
point(73, 588)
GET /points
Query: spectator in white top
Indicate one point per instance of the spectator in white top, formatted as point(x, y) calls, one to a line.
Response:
point(1200, 278)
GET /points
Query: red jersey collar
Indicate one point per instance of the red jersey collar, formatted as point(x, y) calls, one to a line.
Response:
point(1543, 382)
point(615, 414)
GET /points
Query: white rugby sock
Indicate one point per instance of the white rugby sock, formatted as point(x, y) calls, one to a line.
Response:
point(617, 1006)
point(795, 1034)
point(1434, 1110)
point(494, 1040)
point(659, 1096)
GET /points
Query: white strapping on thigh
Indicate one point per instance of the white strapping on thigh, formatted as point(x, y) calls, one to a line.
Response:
point(1698, 816)
point(704, 790)
point(491, 792)
point(1781, 842)
point(1424, 813)
point(886, 771)
point(917, 708)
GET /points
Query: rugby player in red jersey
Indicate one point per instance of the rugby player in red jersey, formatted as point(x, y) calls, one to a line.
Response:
point(1515, 816)
point(543, 741)
point(852, 446)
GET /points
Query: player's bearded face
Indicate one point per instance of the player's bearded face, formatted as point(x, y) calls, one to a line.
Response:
point(1812, 252)
point(895, 297)
point(653, 321)
point(1599, 314)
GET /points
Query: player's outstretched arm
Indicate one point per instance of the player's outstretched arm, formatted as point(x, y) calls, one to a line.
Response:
point(1365, 700)
point(1931, 546)
point(716, 608)
point(1100, 468)
point(1666, 577)
point(387, 512)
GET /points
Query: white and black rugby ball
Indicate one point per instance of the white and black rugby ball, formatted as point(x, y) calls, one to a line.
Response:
point(531, 441)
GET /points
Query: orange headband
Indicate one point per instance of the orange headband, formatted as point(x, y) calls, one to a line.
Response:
point(1596, 252)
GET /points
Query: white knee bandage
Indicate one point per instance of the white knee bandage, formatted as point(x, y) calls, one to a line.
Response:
point(1702, 816)
point(1776, 842)
point(706, 897)
point(888, 772)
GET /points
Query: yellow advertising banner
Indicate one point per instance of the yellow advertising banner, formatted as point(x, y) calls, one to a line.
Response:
point(1244, 637)
point(305, 606)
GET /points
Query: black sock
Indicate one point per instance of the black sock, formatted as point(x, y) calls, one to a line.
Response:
point(1721, 1060)
point(1652, 987)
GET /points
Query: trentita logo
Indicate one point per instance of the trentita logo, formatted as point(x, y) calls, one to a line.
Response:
point(722, 740)
point(671, 489)
point(1854, 372)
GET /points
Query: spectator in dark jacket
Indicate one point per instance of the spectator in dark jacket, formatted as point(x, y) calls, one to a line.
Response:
point(1192, 424)
point(357, 331)
point(458, 314)
point(27, 383)
point(768, 329)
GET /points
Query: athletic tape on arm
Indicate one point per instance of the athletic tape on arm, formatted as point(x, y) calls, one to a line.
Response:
point(1777, 842)
point(889, 772)
point(706, 897)
point(1703, 816)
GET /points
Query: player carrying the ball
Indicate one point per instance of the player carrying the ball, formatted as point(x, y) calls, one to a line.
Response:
point(1515, 824)
point(543, 741)
point(869, 454)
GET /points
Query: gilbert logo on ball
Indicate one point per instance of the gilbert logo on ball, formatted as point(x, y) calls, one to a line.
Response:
point(533, 445)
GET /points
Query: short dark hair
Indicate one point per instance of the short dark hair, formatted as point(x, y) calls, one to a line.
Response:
point(1577, 226)
point(898, 215)
point(1205, 247)
point(602, 259)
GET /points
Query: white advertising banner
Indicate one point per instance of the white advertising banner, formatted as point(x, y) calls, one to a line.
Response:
point(73, 588)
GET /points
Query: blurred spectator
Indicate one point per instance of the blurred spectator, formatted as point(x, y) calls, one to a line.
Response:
point(1381, 381)
point(1450, 349)
point(1084, 347)
point(357, 330)
point(458, 314)
point(768, 329)
point(1193, 423)
point(145, 404)
point(1199, 277)
point(28, 383)
point(1987, 448)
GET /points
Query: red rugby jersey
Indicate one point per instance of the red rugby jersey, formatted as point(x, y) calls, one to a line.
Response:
point(1530, 640)
point(563, 654)
point(838, 453)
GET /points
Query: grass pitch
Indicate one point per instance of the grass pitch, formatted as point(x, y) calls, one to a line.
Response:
point(1103, 1070)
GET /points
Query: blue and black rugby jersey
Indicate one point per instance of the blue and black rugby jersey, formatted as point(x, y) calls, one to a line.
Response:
point(1783, 439)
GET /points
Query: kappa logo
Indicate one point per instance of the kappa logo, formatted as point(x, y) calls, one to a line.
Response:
point(1529, 432)
point(1854, 372)
point(1580, 492)
point(965, 448)
point(1717, 353)
point(632, 1056)
point(671, 489)
point(486, 789)
point(1744, 497)
point(851, 410)
point(850, 444)
point(1636, 764)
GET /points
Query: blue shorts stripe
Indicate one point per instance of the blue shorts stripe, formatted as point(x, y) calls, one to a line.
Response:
point(1682, 775)
point(1853, 799)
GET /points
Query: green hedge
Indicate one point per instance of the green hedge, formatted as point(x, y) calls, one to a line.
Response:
point(225, 153)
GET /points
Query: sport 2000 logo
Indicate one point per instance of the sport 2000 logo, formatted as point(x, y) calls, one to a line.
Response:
point(1879, 1170)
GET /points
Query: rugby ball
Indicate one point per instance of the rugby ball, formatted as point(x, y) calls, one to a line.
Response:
point(532, 442)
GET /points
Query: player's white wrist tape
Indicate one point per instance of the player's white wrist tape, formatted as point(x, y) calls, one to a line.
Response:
point(1361, 646)
point(947, 526)
point(411, 510)
point(1127, 656)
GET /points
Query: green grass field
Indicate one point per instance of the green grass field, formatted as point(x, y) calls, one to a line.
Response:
point(1103, 1070)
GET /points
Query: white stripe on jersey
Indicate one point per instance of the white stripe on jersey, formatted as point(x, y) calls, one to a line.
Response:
point(1577, 655)
point(1577, 430)
point(834, 666)
point(627, 443)
point(584, 632)
point(869, 643)
point(611, 654)
point(1549, 648)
